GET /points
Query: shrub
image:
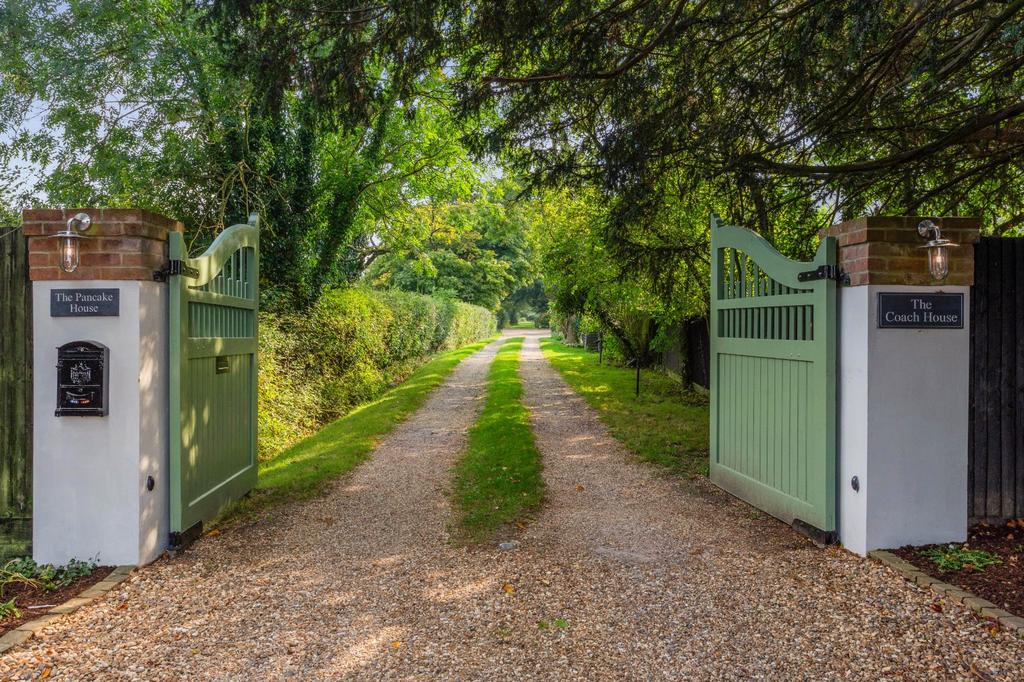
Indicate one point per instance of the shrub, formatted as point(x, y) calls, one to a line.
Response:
point(350, 347)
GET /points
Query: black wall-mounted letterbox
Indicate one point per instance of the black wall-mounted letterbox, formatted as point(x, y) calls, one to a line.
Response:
point(82, 373)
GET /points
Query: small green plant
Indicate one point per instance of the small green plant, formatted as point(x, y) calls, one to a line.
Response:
point(9, 610)
point(46, 577)
point(954, 558)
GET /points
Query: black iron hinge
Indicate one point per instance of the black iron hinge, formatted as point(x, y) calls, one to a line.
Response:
point(824, 272)
point(173, 268)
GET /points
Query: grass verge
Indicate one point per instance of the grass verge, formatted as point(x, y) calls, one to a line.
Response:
point(662, 425)
point(301, 471)
point(498, 478)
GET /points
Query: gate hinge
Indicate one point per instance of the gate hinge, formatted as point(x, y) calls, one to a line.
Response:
point(824, 272)
point(173, 268)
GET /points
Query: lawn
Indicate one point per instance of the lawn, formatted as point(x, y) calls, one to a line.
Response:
point(663, 425)
point(498, 479)
point(301, 471)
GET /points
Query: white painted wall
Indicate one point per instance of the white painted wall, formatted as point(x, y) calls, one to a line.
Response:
point(89, 473)
point(903, 416)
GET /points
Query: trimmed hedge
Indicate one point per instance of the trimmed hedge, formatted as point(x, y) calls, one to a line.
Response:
point(348, 349)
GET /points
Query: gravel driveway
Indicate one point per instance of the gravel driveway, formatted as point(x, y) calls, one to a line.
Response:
point(625, 574)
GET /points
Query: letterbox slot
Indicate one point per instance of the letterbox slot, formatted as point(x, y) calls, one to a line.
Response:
point(223, 366)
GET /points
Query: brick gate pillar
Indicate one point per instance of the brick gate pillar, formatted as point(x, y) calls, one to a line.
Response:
point(903, 370)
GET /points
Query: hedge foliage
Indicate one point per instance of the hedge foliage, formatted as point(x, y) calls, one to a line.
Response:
point(348, 349)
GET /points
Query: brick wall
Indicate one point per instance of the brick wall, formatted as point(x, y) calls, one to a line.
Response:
point(881, 250)
point(122, 244)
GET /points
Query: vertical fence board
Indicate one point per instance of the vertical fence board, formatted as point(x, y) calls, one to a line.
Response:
point(15, 396)
point(996, 438)
point(1018, 370)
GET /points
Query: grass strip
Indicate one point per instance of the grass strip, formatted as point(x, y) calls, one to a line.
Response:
point(661, 426)
point(301, 471)
point(498, 478)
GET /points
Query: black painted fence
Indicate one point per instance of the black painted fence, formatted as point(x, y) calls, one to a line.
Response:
point(15, 395)
point(996, 436)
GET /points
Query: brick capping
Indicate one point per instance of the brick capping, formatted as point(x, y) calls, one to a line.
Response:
point(123, 243)
point(886, 250)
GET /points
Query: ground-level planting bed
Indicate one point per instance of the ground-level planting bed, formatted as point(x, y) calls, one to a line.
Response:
point(1001, 583)
point(33, 599)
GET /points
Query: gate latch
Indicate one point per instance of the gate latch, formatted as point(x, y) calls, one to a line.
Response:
point(824, 272)
point(173, 268)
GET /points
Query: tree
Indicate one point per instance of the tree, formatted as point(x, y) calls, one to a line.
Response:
point(207, 113)
point(818, 109)
point(475, 250)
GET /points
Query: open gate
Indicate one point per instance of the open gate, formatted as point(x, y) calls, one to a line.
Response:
point(214, 306)
point(773, 376)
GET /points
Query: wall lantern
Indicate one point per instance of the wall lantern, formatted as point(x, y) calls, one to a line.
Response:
point(69, 239)
point(938, 249)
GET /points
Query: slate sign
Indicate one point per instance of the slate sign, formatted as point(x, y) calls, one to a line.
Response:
point(920, 311)
point(85, 302)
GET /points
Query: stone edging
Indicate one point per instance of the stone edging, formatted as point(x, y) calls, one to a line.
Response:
point(28, 629)
point(982, 607)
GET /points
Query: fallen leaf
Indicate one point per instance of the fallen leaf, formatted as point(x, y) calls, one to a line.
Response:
point(509, 589)
point(122, 606)
point(213, 533)
point(937, 607)
point(580, 488)
point(46, 673)
point(395, 644)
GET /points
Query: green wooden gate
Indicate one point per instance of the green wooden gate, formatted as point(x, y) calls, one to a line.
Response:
point(214, 306)
point(773, 376)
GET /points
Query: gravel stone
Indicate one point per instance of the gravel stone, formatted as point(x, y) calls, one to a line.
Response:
point(639, 576)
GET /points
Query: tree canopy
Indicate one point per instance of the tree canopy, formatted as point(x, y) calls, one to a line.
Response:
point(381, 142)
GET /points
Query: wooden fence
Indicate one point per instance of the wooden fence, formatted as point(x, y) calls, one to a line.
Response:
point(15, 395)
point(996, 436)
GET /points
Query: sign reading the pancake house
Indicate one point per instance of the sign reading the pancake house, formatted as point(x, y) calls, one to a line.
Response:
point(85, 302)
point(920, 311)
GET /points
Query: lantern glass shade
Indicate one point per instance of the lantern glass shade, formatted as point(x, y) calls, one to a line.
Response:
point(69, 251)
point(938, 261)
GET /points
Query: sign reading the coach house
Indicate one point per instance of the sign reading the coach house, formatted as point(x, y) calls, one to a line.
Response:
point(85, 302)
point(920, 311)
